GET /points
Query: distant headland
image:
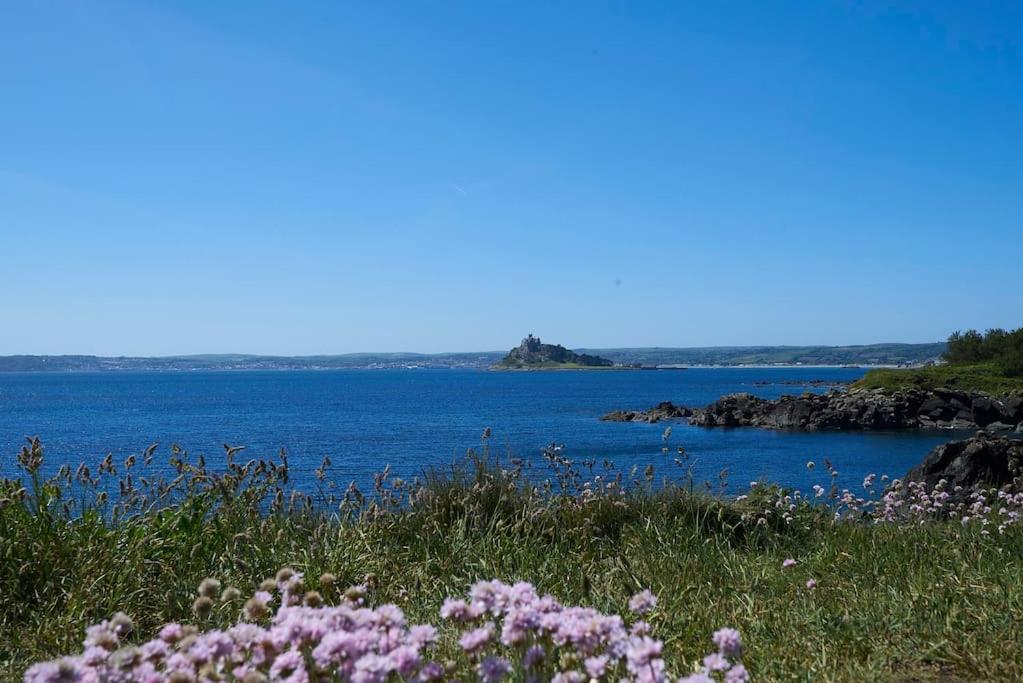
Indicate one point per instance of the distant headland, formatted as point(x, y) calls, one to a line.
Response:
point(532, 354)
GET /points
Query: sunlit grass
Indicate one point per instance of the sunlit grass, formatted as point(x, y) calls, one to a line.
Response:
point(892, 602)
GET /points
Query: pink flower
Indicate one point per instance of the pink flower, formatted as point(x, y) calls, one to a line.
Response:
point(811, 584)
point(643, 602)
point(788, 563)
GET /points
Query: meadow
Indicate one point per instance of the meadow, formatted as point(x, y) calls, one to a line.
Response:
point(885, 583)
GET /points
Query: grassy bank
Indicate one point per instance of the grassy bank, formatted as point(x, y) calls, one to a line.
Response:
point(902, 602)
point(986, 377)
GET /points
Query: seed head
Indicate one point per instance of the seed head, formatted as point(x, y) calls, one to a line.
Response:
point(255, 609)
point(202, 606)
point(209, 588)
point(121, 624)
point(230, 594)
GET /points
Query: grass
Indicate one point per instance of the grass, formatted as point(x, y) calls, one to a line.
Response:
point(982, 377)
point(900, 603)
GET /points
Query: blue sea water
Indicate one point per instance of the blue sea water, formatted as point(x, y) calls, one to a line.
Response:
point(415, 419)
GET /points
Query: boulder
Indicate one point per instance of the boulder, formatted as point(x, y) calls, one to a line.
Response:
point(983, 460)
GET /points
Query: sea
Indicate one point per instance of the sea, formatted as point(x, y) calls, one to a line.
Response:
point(416, 420)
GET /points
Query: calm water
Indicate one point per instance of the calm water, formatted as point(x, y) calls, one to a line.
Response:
point(365, 420)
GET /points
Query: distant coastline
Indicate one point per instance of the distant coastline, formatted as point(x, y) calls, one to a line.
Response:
point(753, 357)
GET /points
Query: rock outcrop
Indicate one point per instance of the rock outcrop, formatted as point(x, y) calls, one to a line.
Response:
point(984, 460)
point(852, 409)
point(666, 410)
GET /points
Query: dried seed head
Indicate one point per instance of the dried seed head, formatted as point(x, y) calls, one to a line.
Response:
point(230, 594)
point(202, 606)
point(327, 580)
point(126, 658)
point(268, 585)
point(355, 593)
point(121, 624)
point(254, 677)
point(313, 599)
point(285, 574)
point(255, 609)
point(209, 588)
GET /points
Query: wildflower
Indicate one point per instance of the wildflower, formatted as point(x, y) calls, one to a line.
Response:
point(171, 633)
point(286, 665)
point(737, 674)
point(474, 640)
point(642, 653)
point(715, 662)
point(459, 610)
point(811, 584)
point(788, 563)
point(700, 677)
point(431, 671)
point(642, 602)
point(493, 669)
point(596, 666)
point(533, 656)
point(299, 644)
point(728, 641)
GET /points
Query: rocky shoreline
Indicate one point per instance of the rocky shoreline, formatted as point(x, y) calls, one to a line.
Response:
point(853, 409)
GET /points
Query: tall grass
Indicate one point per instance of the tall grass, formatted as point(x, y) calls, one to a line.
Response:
point(934, 600)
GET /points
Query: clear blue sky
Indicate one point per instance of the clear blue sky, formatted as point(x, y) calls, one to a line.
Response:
point(325, 177)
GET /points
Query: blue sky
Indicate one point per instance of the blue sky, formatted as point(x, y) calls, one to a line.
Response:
point(325, 177)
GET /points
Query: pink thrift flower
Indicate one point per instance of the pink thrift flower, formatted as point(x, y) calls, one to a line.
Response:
point(643, 602)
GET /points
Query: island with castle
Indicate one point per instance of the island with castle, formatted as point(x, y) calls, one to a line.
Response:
point(532, 354)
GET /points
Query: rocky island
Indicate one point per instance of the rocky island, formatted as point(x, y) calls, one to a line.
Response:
point(532, 354)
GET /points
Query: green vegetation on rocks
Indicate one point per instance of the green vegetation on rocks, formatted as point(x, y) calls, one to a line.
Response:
point(985, 377)
point(991, 362)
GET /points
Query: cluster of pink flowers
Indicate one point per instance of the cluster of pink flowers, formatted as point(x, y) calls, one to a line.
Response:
point(898, 502)
point(985, 508)
point(287, 635)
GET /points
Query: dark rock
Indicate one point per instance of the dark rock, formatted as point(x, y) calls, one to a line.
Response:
point(665, 410)
point(812, 412)
point(980, 461)
point(852, 409)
